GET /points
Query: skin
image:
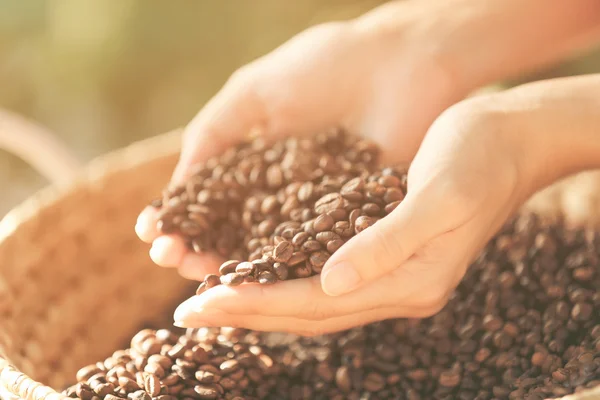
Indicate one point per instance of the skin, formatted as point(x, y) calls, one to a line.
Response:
point(398, 75)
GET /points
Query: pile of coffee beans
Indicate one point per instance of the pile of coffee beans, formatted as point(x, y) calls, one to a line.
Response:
point(280, 211)
point(164, 366)
point(523, 324)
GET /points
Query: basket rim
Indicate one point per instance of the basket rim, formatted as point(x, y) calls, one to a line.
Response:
point(134, 154)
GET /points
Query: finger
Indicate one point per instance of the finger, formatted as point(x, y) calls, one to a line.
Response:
point(385, 245)
point(225, 120)
point(145, 226)
point(419, 284)
point(197, 266)
point(168, 251)
point(216, 318)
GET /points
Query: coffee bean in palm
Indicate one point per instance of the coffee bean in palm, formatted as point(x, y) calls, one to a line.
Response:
point(267, 278)
point(283, 252)
point(363, 222)
point(232, 279)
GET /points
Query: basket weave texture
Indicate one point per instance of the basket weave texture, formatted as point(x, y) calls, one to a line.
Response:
point(75, 281)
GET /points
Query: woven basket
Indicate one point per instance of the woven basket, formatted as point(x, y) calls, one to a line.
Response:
point(75, 282)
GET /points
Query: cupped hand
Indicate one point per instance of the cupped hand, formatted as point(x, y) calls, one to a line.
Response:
point(385, 84)
point(467, 177)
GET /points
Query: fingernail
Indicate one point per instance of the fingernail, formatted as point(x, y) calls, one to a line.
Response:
point(339, 279)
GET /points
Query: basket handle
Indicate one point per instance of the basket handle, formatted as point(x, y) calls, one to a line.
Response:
point(38, 147)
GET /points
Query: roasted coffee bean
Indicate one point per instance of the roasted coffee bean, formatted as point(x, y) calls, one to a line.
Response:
point(228, 267)
point(311, 245)
point(305, 192)
point(323, 223)
point(281, 271)
point(334, 245)
point(152, 385)
point(245, 268)
point(206, 392)
point(283, 252)
point(317, 260)
point(267, 278)
point(362, 223)
point(211, 280)
point(329, 202)
point(87, 372)
point(232, 279)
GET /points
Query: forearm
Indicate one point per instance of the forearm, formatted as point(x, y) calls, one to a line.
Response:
point(557, 124)
point(481, 41)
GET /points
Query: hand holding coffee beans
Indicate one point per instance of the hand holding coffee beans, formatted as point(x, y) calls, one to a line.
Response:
point(523, 324)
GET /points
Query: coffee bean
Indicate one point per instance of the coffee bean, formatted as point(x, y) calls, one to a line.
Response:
point(211, 280)
point(305, 192)
point(228, 267)
point(281, 271)
point(342, 379)
point(274, 176)
point(155, 369)
point(229, 366)
point(374, 382)
point(329, 202)
point(267, 278)
point(323, 223)
point(87, 372)
point(334, 245)
point(297, 258)
point(338, 215)
point(245, 268)
point(232, 279)
point(371, 209)
point(353, 185)
point(112, 397)
point(300, 238)
point(283, 252)
point(311, 245)
point(391, 206)
point(128, 384)
point(389, 181)
point(317, 260)
point(582, 311)
point(449, 379)
point(393, 195)
point(206, 392)
point(362, 223)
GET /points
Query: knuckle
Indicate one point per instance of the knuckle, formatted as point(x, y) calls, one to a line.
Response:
point(389, 248)
point(245, 78)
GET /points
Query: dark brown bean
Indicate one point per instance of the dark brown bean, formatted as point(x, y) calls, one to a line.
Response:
point(283, 252)
point(232, 279)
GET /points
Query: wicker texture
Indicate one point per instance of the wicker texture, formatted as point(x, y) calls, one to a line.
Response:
point(75, 282)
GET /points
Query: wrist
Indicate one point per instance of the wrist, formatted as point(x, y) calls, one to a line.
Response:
point(478, 43)
point(407, 31)
point(553, 125)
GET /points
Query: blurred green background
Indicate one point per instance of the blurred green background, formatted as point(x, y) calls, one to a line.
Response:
point(104, 73)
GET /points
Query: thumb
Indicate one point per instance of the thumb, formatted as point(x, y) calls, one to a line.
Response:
point(387, 244)
point(228, 118)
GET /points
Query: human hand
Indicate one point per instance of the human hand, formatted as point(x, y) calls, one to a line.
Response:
point(479, 161)
point(382, 83)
